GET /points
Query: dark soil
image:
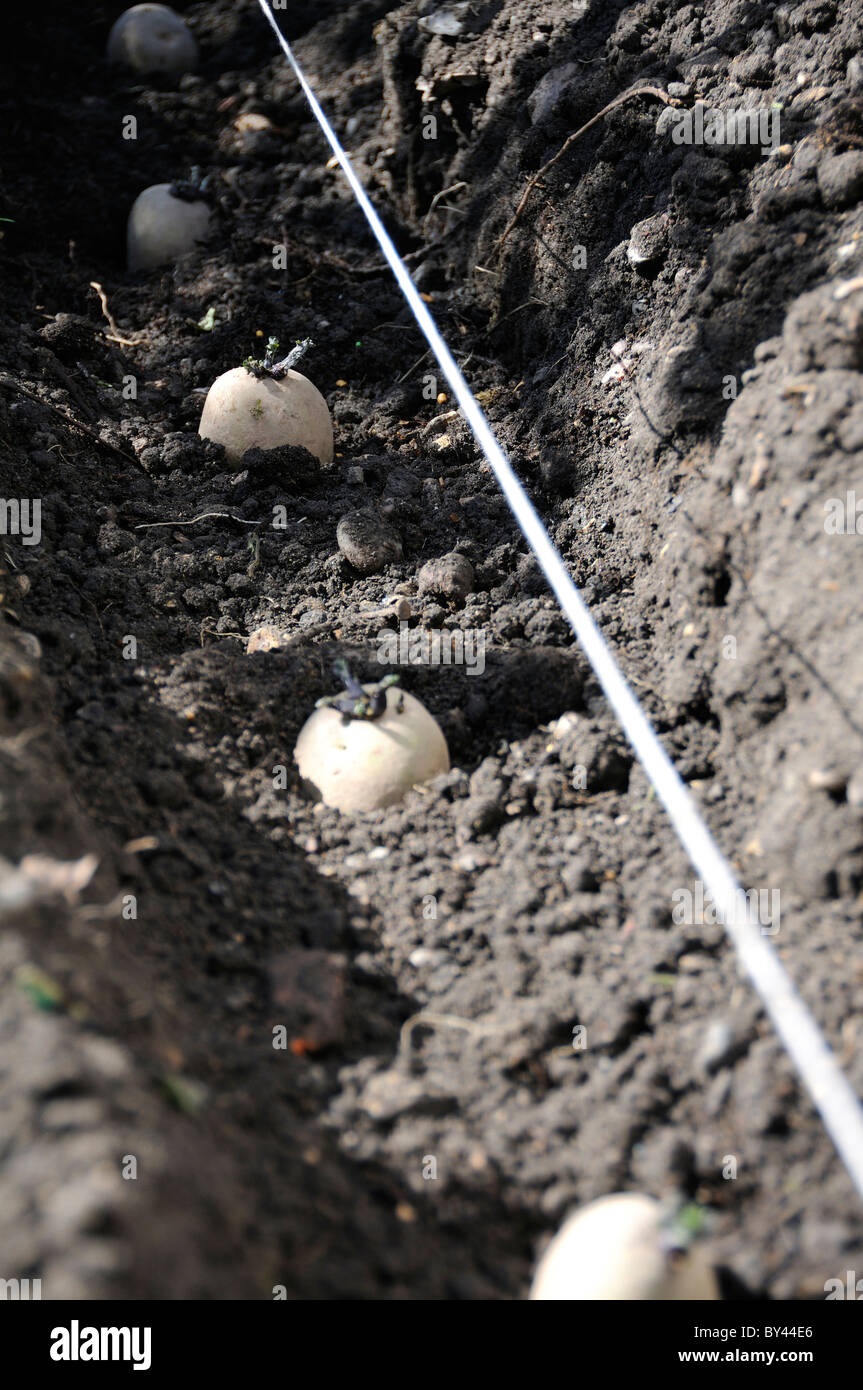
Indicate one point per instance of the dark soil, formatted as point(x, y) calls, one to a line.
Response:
point(512, 899)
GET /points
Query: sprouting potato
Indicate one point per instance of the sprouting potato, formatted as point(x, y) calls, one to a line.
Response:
point(624, 1247)
point(365, 761)
point(162, 226)
point(264, 405)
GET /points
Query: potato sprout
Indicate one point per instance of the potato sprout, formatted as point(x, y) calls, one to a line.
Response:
point(364, 750)
point(626, 1247)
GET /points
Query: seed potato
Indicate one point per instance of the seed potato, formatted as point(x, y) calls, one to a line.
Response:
point(243, 412)
point(365, 764)
point(162, 228)
point(152, 38)
point(618, 1248)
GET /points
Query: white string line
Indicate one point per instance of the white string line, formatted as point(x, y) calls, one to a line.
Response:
point(806, 1045)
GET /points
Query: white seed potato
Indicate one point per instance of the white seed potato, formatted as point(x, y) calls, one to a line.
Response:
point(616, 1249)
point(162, 228)
point(244, 412)
point(364, 764)
point(152, 38)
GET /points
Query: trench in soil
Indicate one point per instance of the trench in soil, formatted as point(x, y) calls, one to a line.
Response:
point(529, 892)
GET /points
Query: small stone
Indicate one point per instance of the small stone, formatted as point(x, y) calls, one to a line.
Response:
point(265, 639)
point(812, 16)
point(827, 779)
point(854, 73)
point(31, 644)
point(840, 179)
point(717, 1047)
point(449, 576)
point(252, 120)
point(472, 859)
point(753, 69)
point(807, 156)
point(444, 22)
point(854, 790)
point(578, 876)
point(565, 726)
point(667, 120)
point(549, 90)
point(692, 963)
point(368, 542)
point(398, 607)
point(112, 540)
point(648, 240)
point(425, 955)
point(79, 1112)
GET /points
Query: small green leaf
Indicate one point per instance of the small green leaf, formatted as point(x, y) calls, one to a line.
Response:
point(187, 1095)
point(44, 992)
point(693, 1219)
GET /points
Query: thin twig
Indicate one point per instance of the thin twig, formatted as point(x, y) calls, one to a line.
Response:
point(212, 632)
point(416, 364)
point(526, 305)
point(570, 139)
point(453, 188)
point(114, 335)
point(434, 1020)
point(205, 516)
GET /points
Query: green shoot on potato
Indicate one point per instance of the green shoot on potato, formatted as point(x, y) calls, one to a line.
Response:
point(194, 189)
point(358, 703)
point(268, 366)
